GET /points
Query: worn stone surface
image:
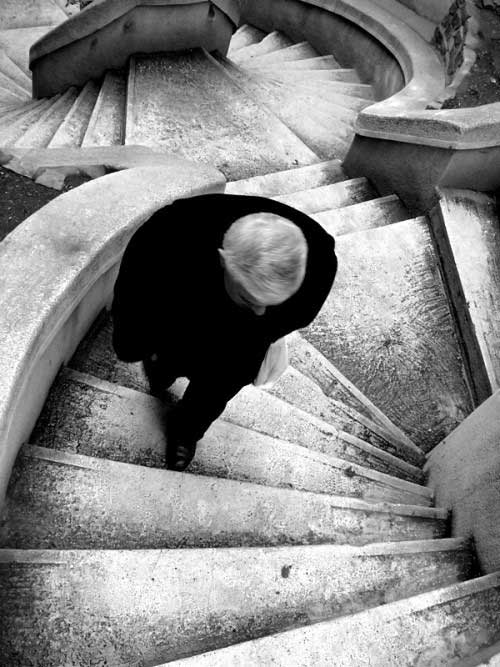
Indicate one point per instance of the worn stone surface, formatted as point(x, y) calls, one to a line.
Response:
point(75, 124)
point(365, 215)
point(388, 327)
point(244, 36)
point(208, 118)
point(468, 233)
point(88, 416)
point(107, 123)
point(40, 134)
point(15, 129)
point(16, 43)
point(327, 197)
point(66, 501)
point(164, 604)
point(30, 13)
point(437, 628)
point(7, 83)
point(291, 180)
point(286, 53)
point(464, 470)
point(317, 63)
point(274, 41)
point(9, 67)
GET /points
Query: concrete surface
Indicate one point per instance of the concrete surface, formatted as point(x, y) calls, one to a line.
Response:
point(107, 124)
point(75, 124)
point(328, 197)
point(152, 604)
point(436, 628)
point(464, 471)
point(59, 500)
point(30, 13)
point(209, 118)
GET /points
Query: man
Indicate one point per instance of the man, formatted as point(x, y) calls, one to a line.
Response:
point(205, 286)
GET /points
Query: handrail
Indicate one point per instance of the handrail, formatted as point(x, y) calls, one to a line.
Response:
point(103, 12)
point(58, 272)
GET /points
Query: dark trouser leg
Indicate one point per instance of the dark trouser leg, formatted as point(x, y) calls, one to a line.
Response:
point(204, 400)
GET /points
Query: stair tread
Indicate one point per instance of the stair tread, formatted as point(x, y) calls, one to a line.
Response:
point(9, 68)
point(403, 353)
point(317, 63)
point(260, 591)
point(16, 43)
point(242, 139)
point(365, 215)
point(70, 501)
point(30, 13)
point(291, 180)
point(402, 632)
point(245, 35)
point(95, 356)
point(93, 417)
point(7, 96)
point(300, 51)
point(469, 239)
point(319, 81)
point(75, 124)
point(331, 196)
point(15, 129)
point(272, 42)
point(106, 124)
point(41, 132)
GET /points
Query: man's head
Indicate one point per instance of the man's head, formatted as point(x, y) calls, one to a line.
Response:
point(264, 258)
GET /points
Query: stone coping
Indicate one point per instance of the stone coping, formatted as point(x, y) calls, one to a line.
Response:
point(103, 12)
point(403, 117)
point(58, 261)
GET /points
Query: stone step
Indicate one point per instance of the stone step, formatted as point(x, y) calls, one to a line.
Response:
point(30, 13)
point(74, 126)
point(423, 26)
point(9, 68)
point(16, 44)
point(7, 83)
point(10, 114)
point(186, 104)
point(282, 98)
point(466, 228)
point(366, 215)
point(275, 41)
point(288, 53)
point(326, 128)
point(95, 356)
point(8, 97)
point(221, 596)
point(244, 36)
point(327, 197)
point(339, 75)
point(41, 132)
point(313, 364)
point(486, 657)
point(89, 416)
point(291, 180)
point(435, 628)
point(322, 83)
point(317, 63)
point(106, 126)
point(59, 500)
point(387, 325)
point(304, 393)
point(16, 129)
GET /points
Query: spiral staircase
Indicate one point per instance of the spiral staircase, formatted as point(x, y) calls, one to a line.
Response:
point(303, 532)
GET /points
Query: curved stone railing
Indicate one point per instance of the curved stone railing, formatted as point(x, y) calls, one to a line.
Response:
point(400, 144)
point(57, 272)
point(107, 32)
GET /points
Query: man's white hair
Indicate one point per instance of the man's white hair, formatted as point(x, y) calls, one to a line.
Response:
point(267, 254)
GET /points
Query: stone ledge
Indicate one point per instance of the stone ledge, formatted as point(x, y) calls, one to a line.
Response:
point(103, 12)
point(51, 166)
point(57, 271)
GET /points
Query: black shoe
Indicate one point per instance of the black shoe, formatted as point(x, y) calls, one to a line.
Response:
point(180, 455)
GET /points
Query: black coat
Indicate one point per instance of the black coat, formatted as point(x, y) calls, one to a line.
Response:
point(170, 299)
